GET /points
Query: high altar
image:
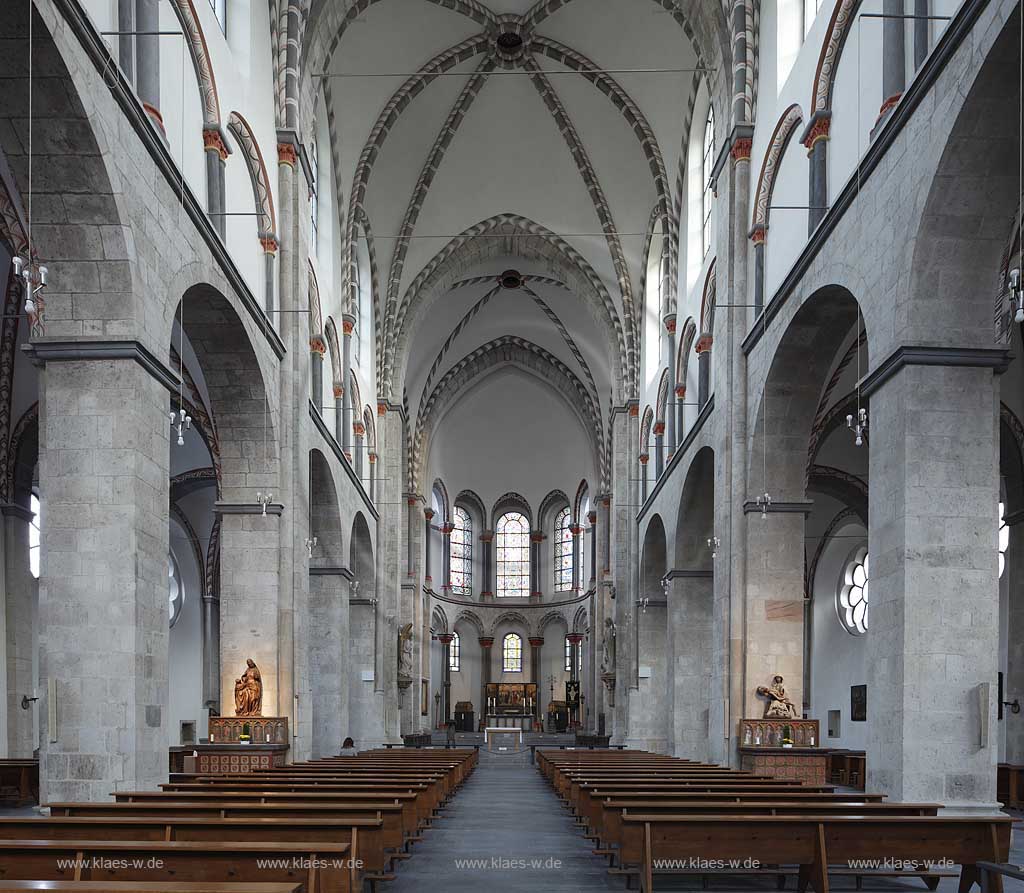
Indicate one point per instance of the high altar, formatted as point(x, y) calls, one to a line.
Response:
point(511, 705)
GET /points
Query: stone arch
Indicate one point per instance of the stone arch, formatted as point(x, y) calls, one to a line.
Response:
point(439, 621)
point(510, 502)
point(263, 196)
point(328, 611)
point(470, 501)
point(195, 40)
point(1011, 458)
point(241, 414)
point(526, 239)
point(662, 401)
point(648, 719)
point(71, 173)
point(785, 127)
point(512, 618)
point(695, 521)
point(645, 431)
point(707, 302)
point(440, 492)
point(683, 357)
point(803, 357)
point(554, 502)
point(582, 494)
point(22, 457)
point(972, 200)
point(473, 619)
point(581, 621)
point(361, 560)
point(333, 349)
point(316, 320)
point(831, 50)
point(548, 619)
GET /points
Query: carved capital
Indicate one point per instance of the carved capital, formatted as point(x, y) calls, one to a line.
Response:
point(286, 154)
point(741, 149)
point(213, 141)
point(703, 344)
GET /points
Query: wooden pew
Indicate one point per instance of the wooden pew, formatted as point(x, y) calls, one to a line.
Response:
point(322, 867)
point(363, 835)
point(19, 781)
point(393, 830)
point(1010, 785)
point(816, 842)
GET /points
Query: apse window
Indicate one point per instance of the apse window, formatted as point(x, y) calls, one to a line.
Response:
point(33, 536)
point(568, 657)
point(1004, 538)
point(563, 551)
point(512, 654)
point(220, 9)
point(454, 654)
point(461, 557)
point(175, 591)
point(513, 542)
point(852, 597)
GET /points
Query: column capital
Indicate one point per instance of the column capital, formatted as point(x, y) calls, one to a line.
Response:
point(213, 141)
point(348, 323)
point(575, 529)
point(487, 536)
point(486, 641)
point(286, 154)
point(359, 429)
point(428, 514)
point(681, 391)
point(704, 343)
point(317, 345)
point(382, 408)
point(575, 638)
point(644, 458)
point(817, 129)
point(670, 323)
point(659, 429)
point(371, 456)
point(269, 243)
point(536, 641)
point(592, 517)
point(741, 149)
point(447, 528)
point(758, 233)
point(634, 409)
point(537, 536)
point(339, 390)
point(446, 638)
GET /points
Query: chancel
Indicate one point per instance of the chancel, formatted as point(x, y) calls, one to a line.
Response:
point(511, 445)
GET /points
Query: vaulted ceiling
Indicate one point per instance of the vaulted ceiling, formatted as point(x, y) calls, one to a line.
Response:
point(508, 136)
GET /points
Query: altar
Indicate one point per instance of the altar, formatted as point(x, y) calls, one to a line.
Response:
point(510, 705)
point(504, 738)
point(522, 721)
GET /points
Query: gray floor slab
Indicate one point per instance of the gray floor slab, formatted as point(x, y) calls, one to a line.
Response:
point(506, 830)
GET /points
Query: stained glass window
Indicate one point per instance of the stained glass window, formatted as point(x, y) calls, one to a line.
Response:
point(563, 551)
point(852, 597)
point(568, 657)
point(454, 654)
point(1004, 538)
point(462, 553)
point(513, 542)
point(33, 536)
point(512, 654)
point(705, 174)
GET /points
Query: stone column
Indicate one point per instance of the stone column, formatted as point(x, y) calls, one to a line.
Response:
point(211, 648)
point(446, 674)
point(933, 640)
point(659, 450)
point(703, 369)
point(536, 538)
point(485, 673)
point(815, 138)
point(410, 551)
point(577, 556)
point(690, 643)
point(249, 600)
point(359, 434)
point(592, 518)
point(216, 151)
point(339, 412)
point(487, 564)
point(536, 670)
point(147, 60)
point(920, 32)
point(372, 492)
point(446, 557)
point(270, 246)
point(644, 458)
point(757, 236)
point(894, 56)
point(428, 516)
point(21, 606)
point(606, 527)
point(670, 363)
point(348, 322)
point(679, 409)
point(103, 466)
point(317, 349)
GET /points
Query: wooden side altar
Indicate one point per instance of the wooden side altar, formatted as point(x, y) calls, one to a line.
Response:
point(763, 749)
point(227, 751)
point(511, 705)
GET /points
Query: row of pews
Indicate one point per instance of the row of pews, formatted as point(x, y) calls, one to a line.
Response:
point(654, 815)
point(334, 825)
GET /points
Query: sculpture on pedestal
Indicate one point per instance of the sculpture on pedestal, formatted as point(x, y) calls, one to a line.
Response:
point(779, 705)
point(249, 691)
point(405, 651)
point(608, 647)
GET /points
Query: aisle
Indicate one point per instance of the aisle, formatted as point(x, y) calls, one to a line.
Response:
point(514, 833)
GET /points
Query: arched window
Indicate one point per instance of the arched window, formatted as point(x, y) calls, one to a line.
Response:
point(454, 654)
point(220, 9)
point(314, 199)
point(563, 551)
point(512, 654)
point(175, 590)
point(852, 597)
point(513, 541)
point(33, 536)
point(1004, 538)
point(462, 553)
point(568, 657)
point(705, 175)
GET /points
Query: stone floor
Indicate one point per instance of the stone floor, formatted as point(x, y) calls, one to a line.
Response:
point(506, 830)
